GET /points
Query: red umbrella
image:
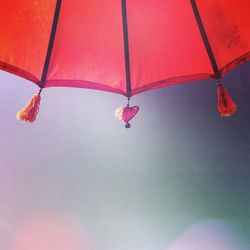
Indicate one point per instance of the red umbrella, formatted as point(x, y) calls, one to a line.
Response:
point(125, 47)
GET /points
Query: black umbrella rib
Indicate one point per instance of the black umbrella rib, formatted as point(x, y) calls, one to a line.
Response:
point(205, 39)
point(126, 47)
point(51, 43)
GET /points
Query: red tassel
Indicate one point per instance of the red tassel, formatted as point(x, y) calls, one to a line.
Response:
point(226, 105)
point(30, 111)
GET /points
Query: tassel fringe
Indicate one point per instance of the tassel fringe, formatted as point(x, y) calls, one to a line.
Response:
point(226, 105)
point(30, 111)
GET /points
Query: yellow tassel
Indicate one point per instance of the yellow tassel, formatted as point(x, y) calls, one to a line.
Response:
point(30, 111)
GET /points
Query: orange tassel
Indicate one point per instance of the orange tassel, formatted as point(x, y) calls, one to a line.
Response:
point(226, 105)
point(30, 111)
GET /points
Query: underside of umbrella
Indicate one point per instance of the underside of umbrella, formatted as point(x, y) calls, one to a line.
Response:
point(125, 46)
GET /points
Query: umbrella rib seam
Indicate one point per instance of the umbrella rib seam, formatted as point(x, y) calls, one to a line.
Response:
point(205, 39)
point(51, 43)
point(126, 47)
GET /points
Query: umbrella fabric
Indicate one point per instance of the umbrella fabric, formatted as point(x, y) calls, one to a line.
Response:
point(126, 47)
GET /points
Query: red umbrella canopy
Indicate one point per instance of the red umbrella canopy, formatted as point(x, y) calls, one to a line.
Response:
point(122, 46)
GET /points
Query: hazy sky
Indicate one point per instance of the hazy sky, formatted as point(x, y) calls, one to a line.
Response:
point(179, 179)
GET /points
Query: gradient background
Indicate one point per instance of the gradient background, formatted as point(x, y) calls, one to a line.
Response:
point(77, 179)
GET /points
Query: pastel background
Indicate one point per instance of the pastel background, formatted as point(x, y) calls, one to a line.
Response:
point(179, 179)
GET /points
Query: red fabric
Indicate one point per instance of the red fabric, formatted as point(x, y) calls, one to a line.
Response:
point(24, 34)
point(164, 41)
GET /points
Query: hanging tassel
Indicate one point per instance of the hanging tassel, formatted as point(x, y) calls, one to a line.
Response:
point(126, 114)
point(30, 111)
point(226, 105)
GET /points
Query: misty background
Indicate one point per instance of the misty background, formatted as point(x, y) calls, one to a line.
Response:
point(77, 179)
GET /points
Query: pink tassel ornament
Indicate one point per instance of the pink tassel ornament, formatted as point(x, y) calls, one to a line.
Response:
point(126, 114)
